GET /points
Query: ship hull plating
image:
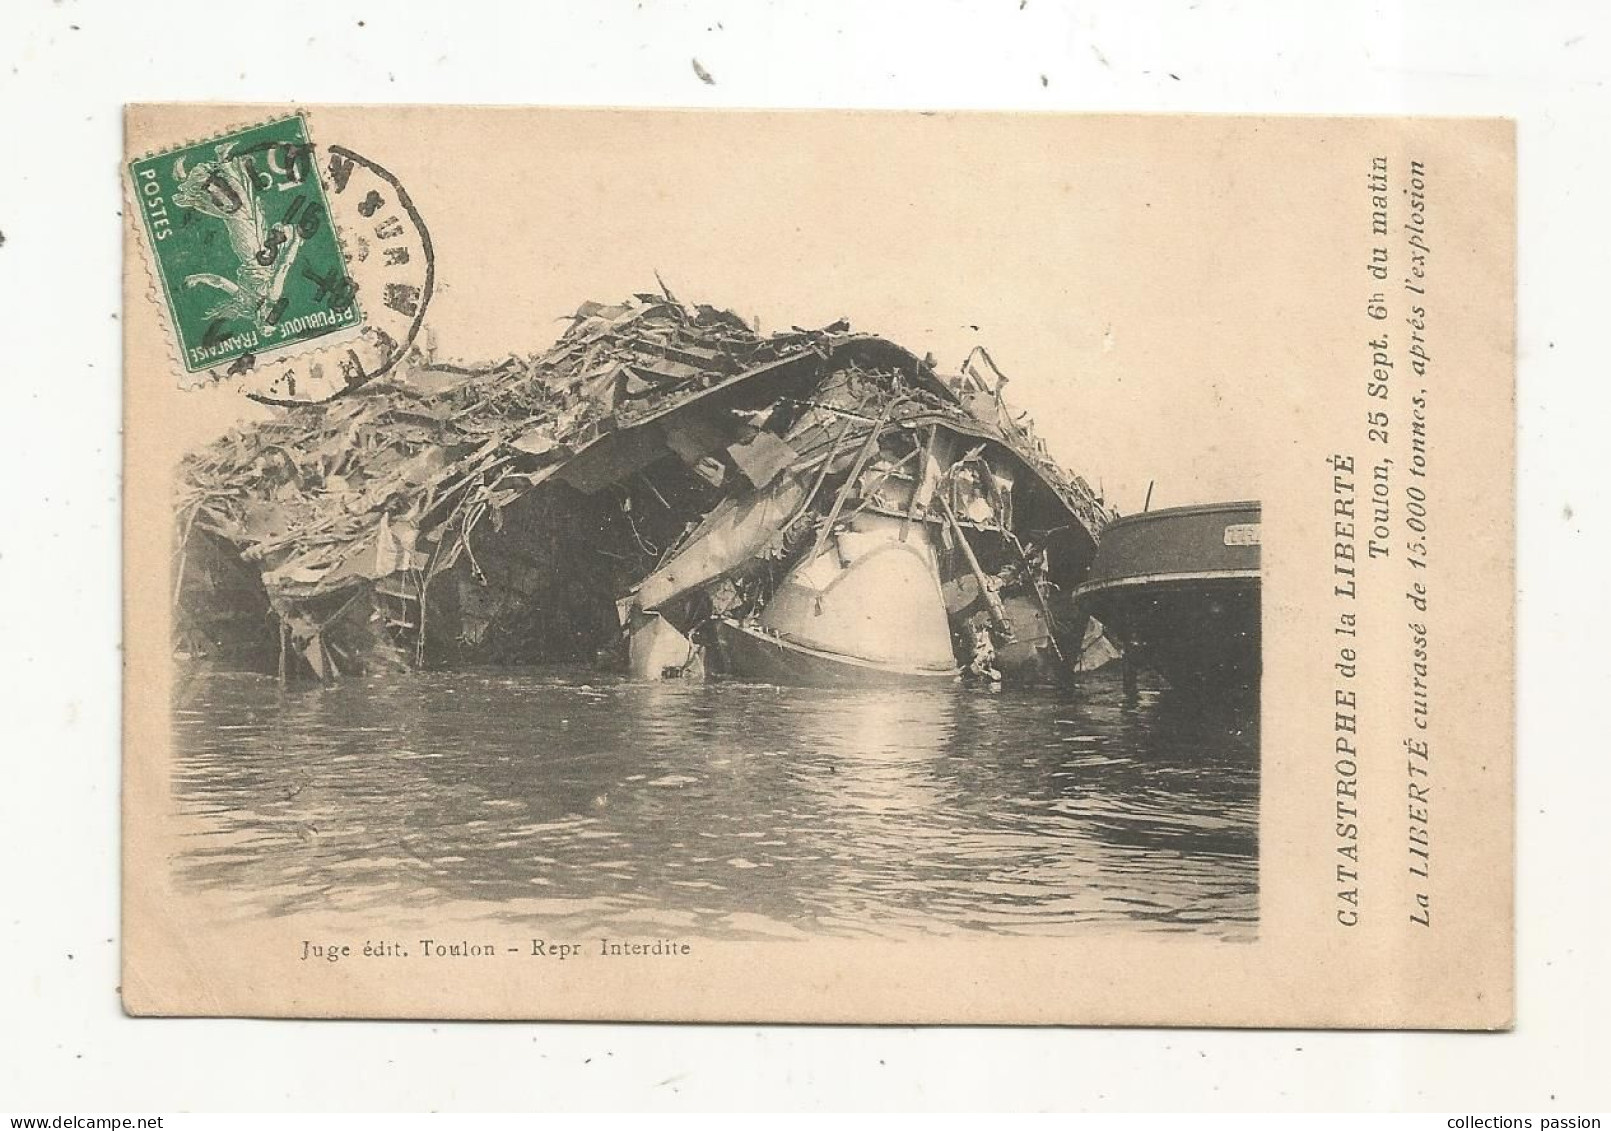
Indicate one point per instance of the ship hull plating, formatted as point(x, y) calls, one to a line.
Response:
point(1179, 590)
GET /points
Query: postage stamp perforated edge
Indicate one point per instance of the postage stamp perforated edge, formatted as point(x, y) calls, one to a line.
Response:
point(156, 290)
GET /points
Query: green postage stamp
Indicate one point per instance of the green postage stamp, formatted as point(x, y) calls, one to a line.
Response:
point(243, 245)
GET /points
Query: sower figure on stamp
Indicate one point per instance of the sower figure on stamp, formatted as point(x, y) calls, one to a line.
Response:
point(227, 190)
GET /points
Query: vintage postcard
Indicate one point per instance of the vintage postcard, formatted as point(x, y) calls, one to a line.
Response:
point(818, 567)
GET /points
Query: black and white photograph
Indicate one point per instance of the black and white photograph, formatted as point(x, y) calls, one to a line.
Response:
point(695, 621)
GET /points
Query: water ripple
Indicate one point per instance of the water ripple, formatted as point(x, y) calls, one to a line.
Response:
point(730, 809)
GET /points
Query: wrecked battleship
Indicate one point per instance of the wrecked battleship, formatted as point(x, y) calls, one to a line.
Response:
point(666, 491)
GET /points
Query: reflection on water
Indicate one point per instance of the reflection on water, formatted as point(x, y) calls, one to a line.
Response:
point(725, 809)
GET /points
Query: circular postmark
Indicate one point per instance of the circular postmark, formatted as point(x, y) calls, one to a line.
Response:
point(390, 276)
point(292, 271)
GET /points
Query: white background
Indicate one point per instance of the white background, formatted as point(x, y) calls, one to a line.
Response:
point(66, 68)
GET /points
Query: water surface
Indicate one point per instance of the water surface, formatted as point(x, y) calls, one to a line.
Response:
point(723, 809)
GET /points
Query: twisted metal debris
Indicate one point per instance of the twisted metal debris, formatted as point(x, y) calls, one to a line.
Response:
point(512, 512)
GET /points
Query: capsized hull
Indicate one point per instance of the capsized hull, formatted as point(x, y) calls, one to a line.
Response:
point(751, 653)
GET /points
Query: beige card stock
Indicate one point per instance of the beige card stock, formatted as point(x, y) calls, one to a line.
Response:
point(818, 567)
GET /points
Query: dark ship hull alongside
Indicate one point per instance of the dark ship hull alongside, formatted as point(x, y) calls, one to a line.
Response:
point(1178, 590)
